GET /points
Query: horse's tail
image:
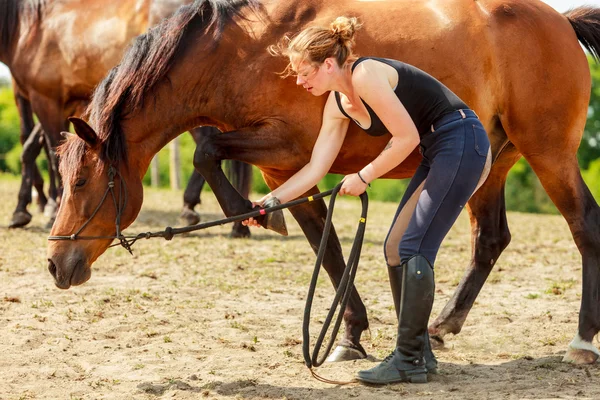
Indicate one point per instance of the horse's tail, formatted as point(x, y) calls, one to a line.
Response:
point(586, 23)
point(240, 175)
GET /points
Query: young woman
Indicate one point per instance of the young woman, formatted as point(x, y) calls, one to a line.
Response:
point(384, 96)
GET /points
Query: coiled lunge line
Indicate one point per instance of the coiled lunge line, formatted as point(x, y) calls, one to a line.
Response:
point(343, 291)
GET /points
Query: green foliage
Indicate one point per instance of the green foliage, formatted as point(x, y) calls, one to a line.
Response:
point(258, 183)
point(13, 159)
point(592, 178)
point(589, 149)
point(186, 156)
point(525, 193)
point(9, 125)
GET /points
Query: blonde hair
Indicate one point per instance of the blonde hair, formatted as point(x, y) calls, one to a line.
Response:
point(316, 43)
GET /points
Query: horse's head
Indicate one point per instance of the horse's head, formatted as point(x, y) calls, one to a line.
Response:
point(100, 198)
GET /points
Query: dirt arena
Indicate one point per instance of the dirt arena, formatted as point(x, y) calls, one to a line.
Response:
point(205, 316)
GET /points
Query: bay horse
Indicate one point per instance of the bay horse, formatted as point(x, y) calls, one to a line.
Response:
point(517, 63)
point(57, 53)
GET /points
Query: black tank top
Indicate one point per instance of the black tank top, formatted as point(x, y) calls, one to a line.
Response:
point(425, 98)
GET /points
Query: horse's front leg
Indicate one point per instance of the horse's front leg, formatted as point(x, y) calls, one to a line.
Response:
point(244, 145)
point(240, 174)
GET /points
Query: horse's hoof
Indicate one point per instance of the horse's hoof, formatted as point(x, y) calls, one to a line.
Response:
point(50, 209)
point(189, 217)
point(345, 353)
point(581, 352)
point(50, 223)
point(437, 342)
point(20, 219)
point(240, 231)
point(42, 206)
point(576, 356)
point(275, 220)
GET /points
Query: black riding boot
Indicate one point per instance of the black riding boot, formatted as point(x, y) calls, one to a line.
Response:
point(407, 362)
point(395, 274)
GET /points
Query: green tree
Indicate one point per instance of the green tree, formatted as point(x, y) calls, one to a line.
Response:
point(590, 144)
point(9, 125)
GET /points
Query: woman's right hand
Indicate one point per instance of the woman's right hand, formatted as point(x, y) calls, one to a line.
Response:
point(251, 221)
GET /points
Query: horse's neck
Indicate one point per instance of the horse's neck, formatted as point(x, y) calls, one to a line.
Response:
point(155, 124)
point(202, 87)
point(192, 94)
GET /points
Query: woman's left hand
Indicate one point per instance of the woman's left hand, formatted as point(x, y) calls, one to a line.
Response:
point(352, 185)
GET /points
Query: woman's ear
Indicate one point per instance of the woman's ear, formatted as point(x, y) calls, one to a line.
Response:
point(330, 64)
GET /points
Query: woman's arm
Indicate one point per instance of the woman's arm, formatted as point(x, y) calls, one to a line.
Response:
point(374, 88)
point(328, 144)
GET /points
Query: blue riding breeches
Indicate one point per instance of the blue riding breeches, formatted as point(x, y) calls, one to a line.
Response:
point(456, 161)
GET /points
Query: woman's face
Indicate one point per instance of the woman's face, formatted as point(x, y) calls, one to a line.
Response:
point(309, 76)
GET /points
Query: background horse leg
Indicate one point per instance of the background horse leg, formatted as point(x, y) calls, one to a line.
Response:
point(489, 237)
point(54, 188)
point(51, 118)
point(38, 184)
point(191, 198)
point(31, 149)
point(29, 171)
point(191, 195)
point(240, 176)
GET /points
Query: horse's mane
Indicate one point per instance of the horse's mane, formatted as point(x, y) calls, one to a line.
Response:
point(15, 13)
point(147, 61)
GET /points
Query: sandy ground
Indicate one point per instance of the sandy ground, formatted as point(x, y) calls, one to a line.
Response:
point(205, 316)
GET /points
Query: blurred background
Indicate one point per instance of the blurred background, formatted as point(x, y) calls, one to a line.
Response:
point(173, 166)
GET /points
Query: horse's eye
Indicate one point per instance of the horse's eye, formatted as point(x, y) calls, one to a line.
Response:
point(80, 182)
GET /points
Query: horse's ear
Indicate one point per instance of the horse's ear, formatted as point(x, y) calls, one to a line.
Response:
point(84, 131)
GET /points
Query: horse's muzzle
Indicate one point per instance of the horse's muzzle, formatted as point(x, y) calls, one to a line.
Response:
point(64, 279)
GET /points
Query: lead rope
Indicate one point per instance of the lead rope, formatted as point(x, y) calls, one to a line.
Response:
point(343, 291)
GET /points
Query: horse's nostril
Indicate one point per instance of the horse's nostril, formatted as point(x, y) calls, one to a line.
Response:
point(52, 268)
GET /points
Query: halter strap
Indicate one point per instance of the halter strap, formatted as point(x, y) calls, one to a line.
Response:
point(119, 207)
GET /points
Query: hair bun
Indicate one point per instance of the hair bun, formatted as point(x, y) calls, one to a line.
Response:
point(344, 28)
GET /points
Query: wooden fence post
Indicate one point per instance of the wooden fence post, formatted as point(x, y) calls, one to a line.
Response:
point(175, 165)
point(154, 172)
